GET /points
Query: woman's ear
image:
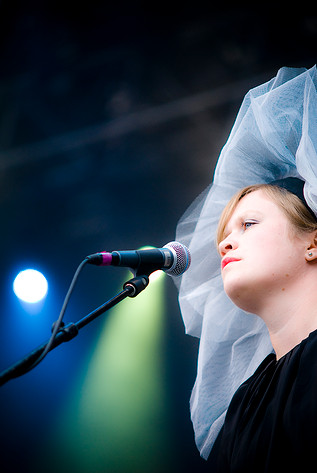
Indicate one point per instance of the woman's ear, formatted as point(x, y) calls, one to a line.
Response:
point(311, 252)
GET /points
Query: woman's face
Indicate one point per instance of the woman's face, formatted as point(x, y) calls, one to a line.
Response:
point(261, 256)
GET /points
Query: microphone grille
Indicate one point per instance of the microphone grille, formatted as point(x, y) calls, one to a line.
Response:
point(182, 258)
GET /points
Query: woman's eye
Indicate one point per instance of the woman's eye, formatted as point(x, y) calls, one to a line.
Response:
point(247, 224)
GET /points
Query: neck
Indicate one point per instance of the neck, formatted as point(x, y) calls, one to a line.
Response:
point(286, 336)
point(291, 317)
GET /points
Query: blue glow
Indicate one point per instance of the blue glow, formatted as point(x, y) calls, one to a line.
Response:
point(30, 286)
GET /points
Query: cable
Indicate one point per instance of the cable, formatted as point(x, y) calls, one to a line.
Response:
point(59, 322)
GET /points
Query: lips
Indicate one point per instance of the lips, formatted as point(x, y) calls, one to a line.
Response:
point(228, 260)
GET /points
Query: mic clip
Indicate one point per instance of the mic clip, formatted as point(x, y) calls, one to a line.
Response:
point(138, 284)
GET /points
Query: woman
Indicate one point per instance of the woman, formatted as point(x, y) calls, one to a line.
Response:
point(268, 244)
point(248, 405)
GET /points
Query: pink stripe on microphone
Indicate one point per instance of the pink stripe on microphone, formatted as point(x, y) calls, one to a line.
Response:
point(106, 259)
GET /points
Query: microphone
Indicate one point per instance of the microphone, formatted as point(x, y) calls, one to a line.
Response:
point(174, 258)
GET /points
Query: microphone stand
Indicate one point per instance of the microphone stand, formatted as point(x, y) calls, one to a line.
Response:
point(131, 288)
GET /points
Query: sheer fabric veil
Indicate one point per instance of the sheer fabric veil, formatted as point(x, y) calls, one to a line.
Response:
point(274, 137)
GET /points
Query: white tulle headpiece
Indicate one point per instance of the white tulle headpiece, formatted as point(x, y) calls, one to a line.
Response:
point(274, 137)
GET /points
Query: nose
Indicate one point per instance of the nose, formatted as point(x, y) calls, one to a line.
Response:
point(229, 243)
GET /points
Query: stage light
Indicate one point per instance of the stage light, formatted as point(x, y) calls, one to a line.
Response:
point(30, 286)
point(116, 419)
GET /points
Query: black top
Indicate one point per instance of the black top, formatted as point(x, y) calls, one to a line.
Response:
point(271, 423)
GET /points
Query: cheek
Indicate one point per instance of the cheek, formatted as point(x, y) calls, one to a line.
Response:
point(253, 276)
point(277, 264)
point(270, 250)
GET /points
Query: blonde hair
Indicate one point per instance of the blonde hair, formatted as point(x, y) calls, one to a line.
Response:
point(294, 209)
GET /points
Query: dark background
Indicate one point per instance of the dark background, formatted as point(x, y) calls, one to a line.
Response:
point(111, 121)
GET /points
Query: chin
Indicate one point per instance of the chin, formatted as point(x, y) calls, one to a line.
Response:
point(247, 306)
point(242, 297)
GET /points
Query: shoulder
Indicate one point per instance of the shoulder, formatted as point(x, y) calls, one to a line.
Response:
point(263, 371)
point(301, 362)
point(304, 364)
point(291, 380)
point(310, 343)
point(276, 409)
